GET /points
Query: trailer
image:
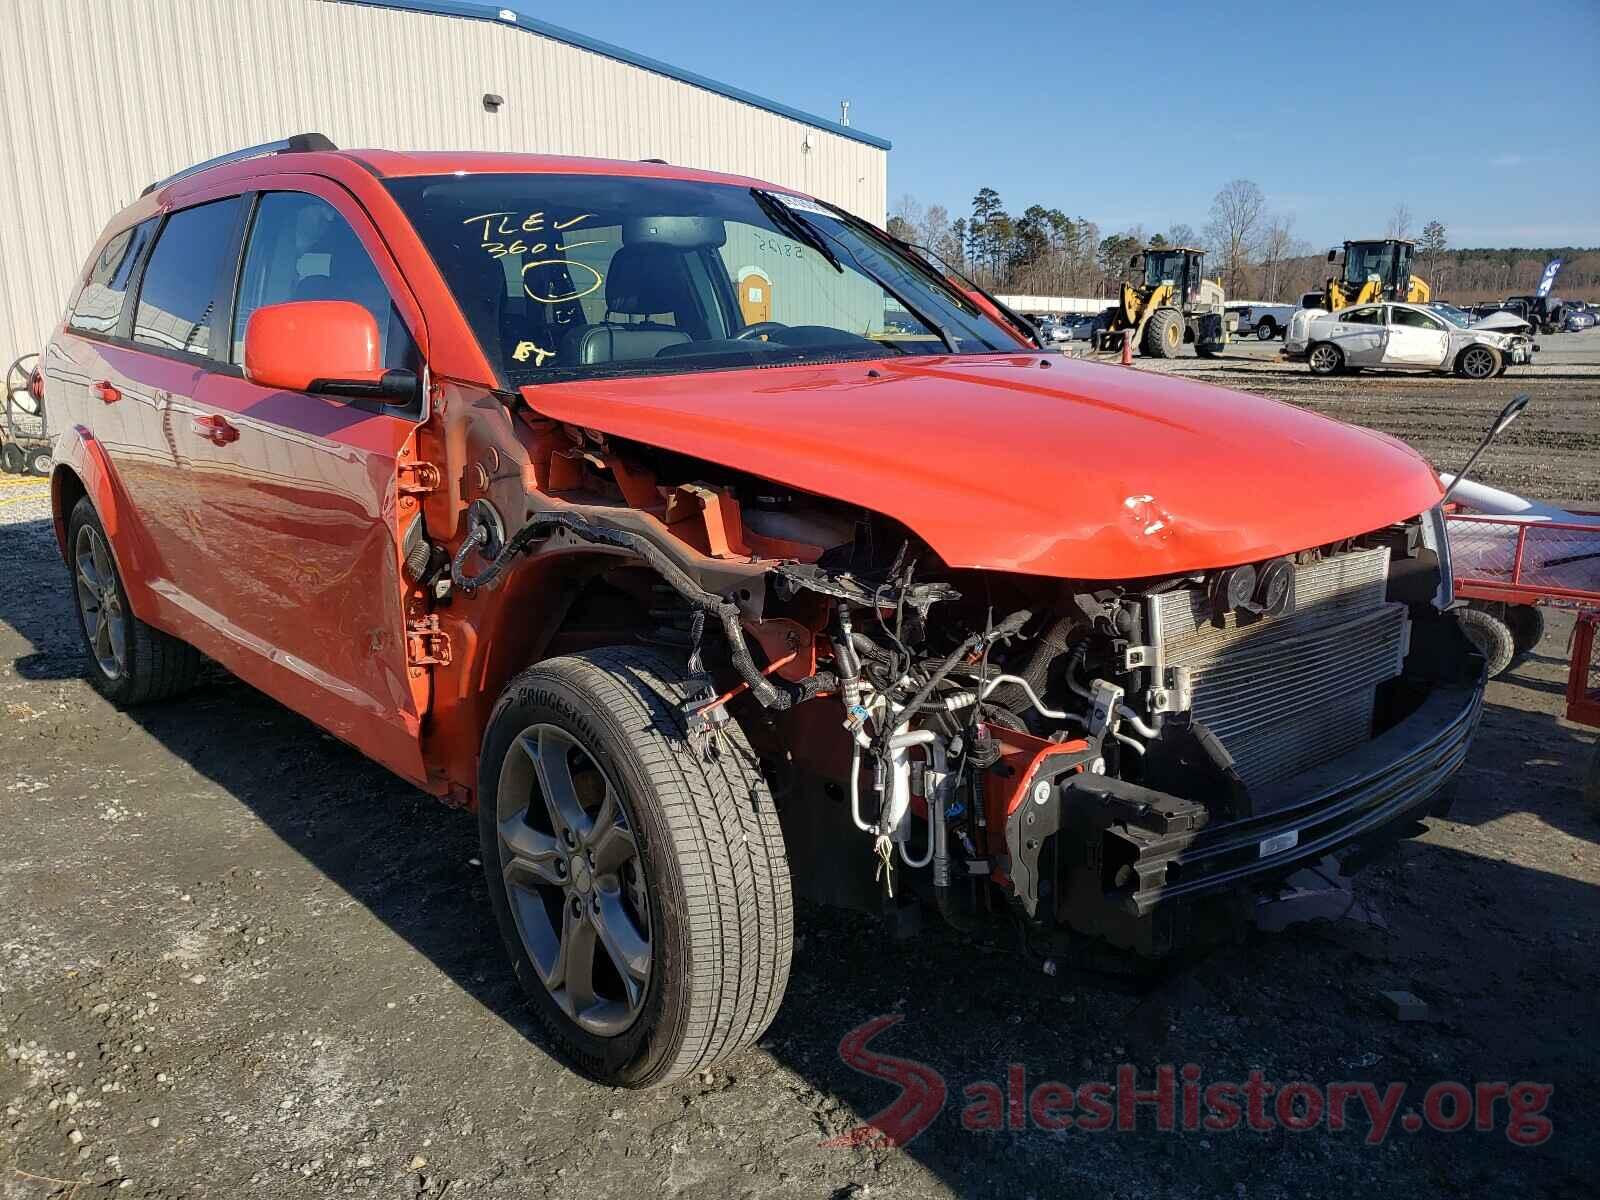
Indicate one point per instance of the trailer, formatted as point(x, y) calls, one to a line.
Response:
point(1508, 567)
point(25, 437)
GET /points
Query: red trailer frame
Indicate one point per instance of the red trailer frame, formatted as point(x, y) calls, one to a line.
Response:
point(1508, 560)
point(1583, 676)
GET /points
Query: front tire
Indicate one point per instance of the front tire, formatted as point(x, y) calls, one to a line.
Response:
point(1163, 335)
point(639, 880)
point(1266, 330)
point(1478, 362)
point(1325, 358)
point(129, 662)
point(39, 463)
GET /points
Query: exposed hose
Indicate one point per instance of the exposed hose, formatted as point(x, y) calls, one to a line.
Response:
point(1006, 628)
point(775, 694)
point(1136, 746)
point(855, 791)
point(1035, 676)
point(1018, 684)
point(1079, 653)
point(1133, 718)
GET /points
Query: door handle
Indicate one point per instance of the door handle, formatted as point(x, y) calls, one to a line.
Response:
point(216, 430)
point(107, 392)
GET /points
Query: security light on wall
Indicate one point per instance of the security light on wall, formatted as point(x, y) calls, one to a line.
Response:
point(492, 102)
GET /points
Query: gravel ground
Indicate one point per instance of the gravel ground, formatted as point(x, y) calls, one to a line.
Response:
point(236, 959)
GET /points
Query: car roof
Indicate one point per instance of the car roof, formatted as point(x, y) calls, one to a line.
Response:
point(404, 164)
point(398, 164)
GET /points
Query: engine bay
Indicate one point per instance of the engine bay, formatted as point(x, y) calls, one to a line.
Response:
point(993, 741)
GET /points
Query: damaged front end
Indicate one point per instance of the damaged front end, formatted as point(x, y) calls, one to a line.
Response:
point(1119, 760)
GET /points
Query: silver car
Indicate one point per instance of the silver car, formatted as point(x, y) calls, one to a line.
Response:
point(1407, 337)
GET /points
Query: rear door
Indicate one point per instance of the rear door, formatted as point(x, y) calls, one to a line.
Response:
point(172, 342)
point(86, 377)
point(1361, 334)
point(297, 492)
point(1416, 339)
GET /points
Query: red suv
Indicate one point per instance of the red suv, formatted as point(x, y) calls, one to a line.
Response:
point(703, 537)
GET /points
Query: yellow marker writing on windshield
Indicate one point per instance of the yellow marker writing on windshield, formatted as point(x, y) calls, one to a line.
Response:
point(527, 350)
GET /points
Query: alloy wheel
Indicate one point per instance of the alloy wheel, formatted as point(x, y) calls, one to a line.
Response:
point(1325, 358)
point(1477, 363)
point(100, 603)
point(569, 857)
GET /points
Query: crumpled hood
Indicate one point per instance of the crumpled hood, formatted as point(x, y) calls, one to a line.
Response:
point(1075, 470)
point(1502, 322)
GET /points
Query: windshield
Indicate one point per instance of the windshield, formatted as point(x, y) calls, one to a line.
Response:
point(1376, 258)
point(575, 276)
point(1162, 265)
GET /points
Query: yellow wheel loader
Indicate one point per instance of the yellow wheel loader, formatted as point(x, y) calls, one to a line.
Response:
point(1374, 270)
point(1168, 303)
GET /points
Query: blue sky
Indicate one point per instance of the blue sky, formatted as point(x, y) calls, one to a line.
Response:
point(1442, 105)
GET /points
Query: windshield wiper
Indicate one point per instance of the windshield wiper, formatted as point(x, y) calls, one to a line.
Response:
point(794, 227)
point(803, 231)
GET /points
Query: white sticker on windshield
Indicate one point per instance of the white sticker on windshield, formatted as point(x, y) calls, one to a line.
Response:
point(801, 204)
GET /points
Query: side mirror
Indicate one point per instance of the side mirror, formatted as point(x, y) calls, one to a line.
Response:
point(331, 347)
point(1332, 254)
point(1136, 263)
point(1509, 413)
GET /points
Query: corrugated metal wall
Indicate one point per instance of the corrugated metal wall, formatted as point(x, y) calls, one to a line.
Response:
point(99, 97)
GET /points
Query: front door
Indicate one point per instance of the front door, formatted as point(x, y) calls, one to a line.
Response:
point(298, 492)
point(1416, 339)
point(1360, 333)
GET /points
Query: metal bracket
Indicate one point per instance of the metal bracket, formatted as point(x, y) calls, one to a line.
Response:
point(417, 478)
point(426, 644)
point(1103, 700)
point(1174, 694)
point(1135, 657)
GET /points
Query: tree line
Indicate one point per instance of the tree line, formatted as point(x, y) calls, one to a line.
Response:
point(1255, 251)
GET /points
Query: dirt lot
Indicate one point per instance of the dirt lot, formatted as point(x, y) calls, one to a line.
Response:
point(236, 959)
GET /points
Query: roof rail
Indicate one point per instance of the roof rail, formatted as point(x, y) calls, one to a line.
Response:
point(298, 144)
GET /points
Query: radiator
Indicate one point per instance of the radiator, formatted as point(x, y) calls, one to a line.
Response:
point(1289, 692)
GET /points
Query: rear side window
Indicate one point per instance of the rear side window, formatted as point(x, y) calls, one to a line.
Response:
point(98, 308)
point(178, 299)
point(300, 248)
point(1363, 316)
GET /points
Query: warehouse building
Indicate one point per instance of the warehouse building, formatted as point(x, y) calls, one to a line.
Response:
point(102, 97)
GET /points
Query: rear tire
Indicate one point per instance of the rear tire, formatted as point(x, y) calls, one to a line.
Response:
point(39, 463)
point(1478, 362)
point(1163, 334)
point(129, 662)
point(1490, 635)
point(12, 460)
point(1324, 358)
point(700, 907)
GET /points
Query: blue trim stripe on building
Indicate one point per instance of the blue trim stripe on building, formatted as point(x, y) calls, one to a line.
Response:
point(491, 12)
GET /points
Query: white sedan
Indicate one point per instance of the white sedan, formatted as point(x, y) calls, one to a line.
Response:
point(1401, 337)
